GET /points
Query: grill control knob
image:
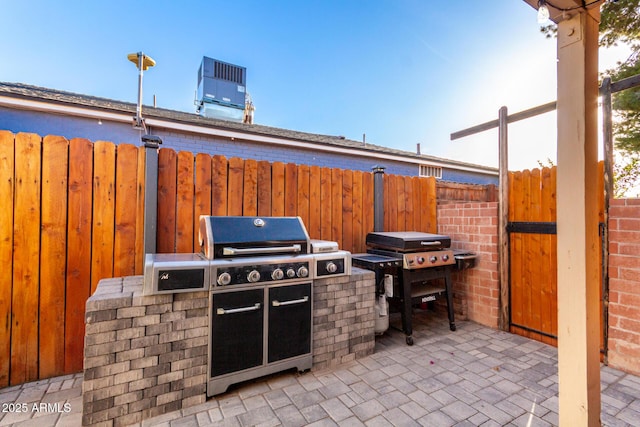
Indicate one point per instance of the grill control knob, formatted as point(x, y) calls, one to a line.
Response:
point(291, 273)
point(433, 259)
point(224, 279)
point(445, 257)
point(332, 267)
point(303, 271)
point(253, 276)
point(277, 274)
point(420, 260)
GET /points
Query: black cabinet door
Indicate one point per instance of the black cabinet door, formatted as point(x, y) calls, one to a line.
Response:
point(289, 321)
point(237, 333)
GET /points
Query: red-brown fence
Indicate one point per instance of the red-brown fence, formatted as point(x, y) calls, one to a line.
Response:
point(73, 214)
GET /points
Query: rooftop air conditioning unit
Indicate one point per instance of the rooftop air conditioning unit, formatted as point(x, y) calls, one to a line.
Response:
point(221, 90)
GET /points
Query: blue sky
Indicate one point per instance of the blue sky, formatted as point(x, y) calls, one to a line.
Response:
point(400, 71)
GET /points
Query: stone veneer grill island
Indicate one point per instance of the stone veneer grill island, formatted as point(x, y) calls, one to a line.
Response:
point(146, 355)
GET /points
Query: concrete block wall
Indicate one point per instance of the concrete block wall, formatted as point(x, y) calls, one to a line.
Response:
point(624, 285)
point(143, 355)
point(473, 226)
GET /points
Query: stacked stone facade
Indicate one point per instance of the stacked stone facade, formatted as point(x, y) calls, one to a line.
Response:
point(147, 355)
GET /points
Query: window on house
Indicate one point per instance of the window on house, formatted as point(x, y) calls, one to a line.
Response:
point(426, 170)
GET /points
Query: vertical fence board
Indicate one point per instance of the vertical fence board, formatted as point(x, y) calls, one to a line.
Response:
point(277, 189)
point(264, 188)
point(553, 259)
point(391, 203)
point(347, 210)
point(290, 189)
point(402, 208)
point(325, 203)
point(219, 176)
point(167, 179)
point(336, 206)
point(515, 194)
point(303, 195)
point(124, 251)
point(549, 281)
point(202, 194)
point(358, 235)
point(185, 202)
point(250, 198)
point(418, 208)
point(6, 250)
point(314, 203)
point(535, 214)
point(26, 274)
point(235, 190)
point(79, 222)
point(102, 233)
point(53, 257)
point(411, 212)
point(140, 187)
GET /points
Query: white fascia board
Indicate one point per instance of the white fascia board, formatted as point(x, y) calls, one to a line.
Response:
point(26, 104)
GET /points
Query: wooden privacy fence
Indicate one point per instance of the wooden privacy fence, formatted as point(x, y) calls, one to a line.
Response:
point(72, 214)
point(533, 252)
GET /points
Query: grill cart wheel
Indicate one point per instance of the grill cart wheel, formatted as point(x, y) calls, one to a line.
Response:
point(409, 340)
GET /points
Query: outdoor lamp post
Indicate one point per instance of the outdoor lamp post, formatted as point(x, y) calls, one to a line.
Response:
point(143, 63)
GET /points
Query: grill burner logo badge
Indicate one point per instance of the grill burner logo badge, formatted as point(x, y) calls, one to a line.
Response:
point(258, 222)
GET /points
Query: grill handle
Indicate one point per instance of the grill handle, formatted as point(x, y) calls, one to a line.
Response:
point(433, 243)
point(260, 251)
point(222, 311)
point(277, 303)
point(463, 257)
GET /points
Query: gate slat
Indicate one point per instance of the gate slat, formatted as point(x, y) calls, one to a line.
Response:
point(418, 207)
point(53, 256)
point(392, 203)
point(515, 208)
point(7, 168)
point(410, 213)
point(26, 253)
point(549, 285)
point(534, 255)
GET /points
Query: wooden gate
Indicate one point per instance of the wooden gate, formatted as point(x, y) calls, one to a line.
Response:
point(533, 253)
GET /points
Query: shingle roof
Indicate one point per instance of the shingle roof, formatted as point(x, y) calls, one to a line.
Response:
point(20, 90)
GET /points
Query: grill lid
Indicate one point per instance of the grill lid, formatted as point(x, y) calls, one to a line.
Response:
point(408, 241)
point(233, 236)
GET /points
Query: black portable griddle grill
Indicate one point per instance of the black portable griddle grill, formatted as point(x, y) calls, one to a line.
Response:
point(421, 264)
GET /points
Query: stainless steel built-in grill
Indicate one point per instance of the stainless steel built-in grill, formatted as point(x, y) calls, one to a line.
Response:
point(261, 283)
point(421, 264)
